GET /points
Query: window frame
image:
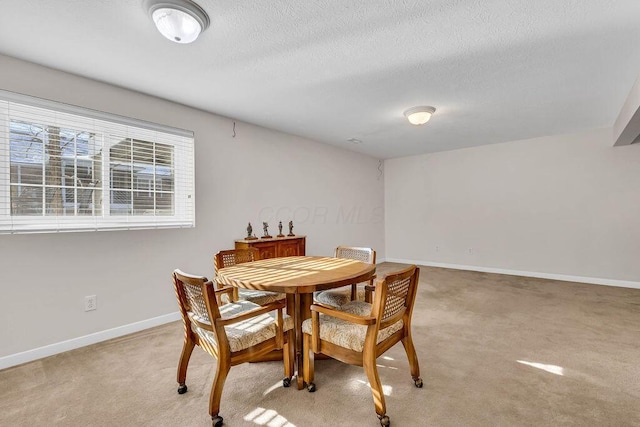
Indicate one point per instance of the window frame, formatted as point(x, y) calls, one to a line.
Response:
point(106, 128)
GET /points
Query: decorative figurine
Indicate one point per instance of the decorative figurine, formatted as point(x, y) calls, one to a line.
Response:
point(280, 229)
point(290, 229)
point(265, 230)
point(250, 235)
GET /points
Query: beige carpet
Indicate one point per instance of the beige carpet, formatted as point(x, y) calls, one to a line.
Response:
point(494, 351)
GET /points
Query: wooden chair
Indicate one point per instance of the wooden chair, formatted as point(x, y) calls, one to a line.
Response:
point(232, 333)
point(340, 296)
point(359, 332)
point(232, 257)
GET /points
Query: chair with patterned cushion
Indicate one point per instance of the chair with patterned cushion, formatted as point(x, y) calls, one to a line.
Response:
point(232, 333)
point(232, 257)
point(361, 292)
point(358, 333)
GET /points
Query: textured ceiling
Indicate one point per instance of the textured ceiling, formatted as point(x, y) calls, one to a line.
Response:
point(330, 70)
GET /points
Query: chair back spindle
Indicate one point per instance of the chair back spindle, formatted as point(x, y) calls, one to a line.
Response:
point(367, 255)
point(398, 295)
point(232, 257)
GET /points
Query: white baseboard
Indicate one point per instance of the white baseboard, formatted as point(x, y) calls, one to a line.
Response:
point(563, 277)
point(60, 347)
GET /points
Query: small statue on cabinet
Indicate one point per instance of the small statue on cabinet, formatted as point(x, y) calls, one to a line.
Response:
point(280, 229)
point(250, 235)
point(290, 229)
point(265, 230)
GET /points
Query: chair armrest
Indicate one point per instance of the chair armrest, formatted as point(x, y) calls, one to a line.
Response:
point(276, 305)
point(353, 318)
point(226, 290)
point(323, 305)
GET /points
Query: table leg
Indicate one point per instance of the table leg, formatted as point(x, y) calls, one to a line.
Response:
point(302, 302)
point(298, 325)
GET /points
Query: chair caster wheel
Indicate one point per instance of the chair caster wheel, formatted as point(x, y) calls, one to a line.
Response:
point(384, 421)
point(418, 382)
point(286, 382)
point(182, 389)
point(216, 421)
point(311, 387)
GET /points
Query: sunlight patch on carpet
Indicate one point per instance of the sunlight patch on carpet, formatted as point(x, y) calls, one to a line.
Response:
point(554, 369)
point(267, 417)
point(385, 366)
point(386, 389)
point(276, 386)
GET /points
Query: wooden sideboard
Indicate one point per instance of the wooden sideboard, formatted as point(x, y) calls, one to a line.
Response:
point(275, 247)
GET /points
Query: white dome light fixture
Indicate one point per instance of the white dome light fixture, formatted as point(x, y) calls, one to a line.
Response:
point(180, 21)
point(419, 115)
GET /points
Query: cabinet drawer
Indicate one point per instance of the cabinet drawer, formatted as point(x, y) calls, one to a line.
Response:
point(274, 247)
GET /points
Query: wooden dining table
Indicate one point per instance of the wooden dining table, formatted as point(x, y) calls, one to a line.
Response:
point(298, 277)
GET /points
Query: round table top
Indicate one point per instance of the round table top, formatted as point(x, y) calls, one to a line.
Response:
point(297, 274)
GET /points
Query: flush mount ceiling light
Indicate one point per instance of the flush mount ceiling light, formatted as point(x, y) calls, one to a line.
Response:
point(419, 115)
point(180, 21)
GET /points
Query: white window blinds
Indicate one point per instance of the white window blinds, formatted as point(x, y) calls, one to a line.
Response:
point(66, 168)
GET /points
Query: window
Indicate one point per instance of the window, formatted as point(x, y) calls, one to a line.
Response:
point(65, 168)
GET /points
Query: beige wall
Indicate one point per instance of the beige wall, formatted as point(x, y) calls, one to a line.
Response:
point(564, 205)
point(335, 197)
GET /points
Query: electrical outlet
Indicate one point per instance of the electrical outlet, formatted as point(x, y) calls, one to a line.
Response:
point(437, 248)
point(470, 251)
point(90, 303)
